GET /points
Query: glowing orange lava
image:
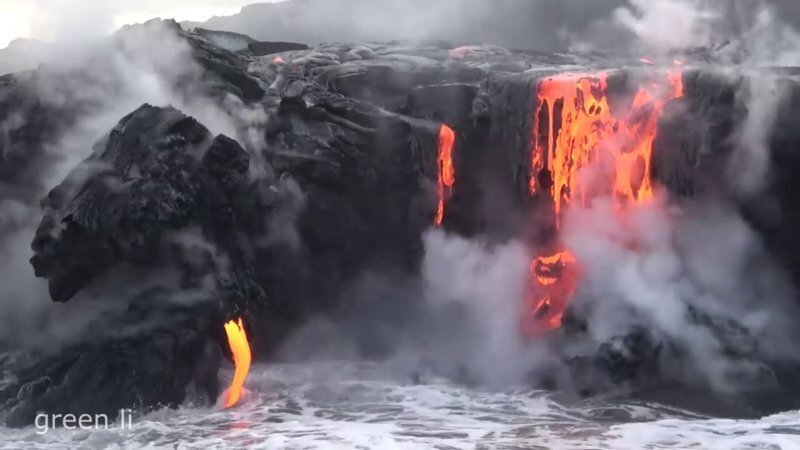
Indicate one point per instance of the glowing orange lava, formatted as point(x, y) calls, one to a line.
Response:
point(587, 150)
point(237, 339)
point(447, 174)
point(278, 60)
point(554, 280)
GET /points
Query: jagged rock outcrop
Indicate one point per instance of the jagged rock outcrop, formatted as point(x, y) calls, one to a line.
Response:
point(157, 194)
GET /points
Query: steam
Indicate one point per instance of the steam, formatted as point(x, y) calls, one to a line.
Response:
point(57, 20)
point(487, 283)
point(530, 24)
point(697, 276)
point(668, 24)
point(660, 268)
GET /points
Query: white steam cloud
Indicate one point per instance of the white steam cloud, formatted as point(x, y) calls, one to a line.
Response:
point(654, 267)
point(668, 24)
point(488, 282)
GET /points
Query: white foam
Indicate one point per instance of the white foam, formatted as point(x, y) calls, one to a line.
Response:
point(365, 405)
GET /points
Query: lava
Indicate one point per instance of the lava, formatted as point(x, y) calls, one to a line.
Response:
point(237, 339)
point(554, 280)
point(587, 150)
point(447, 174)
point(278, 60)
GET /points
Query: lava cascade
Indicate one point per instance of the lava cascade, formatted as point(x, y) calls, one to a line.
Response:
point(583, 149)
point(447, 175)
point(237, 339)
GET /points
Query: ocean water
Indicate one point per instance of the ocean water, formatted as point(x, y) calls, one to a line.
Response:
point(345, 405)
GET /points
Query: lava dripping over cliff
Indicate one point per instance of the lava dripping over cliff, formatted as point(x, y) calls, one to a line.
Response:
point(584, 149)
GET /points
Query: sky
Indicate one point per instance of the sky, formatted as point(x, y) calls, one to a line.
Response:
point(52, 19)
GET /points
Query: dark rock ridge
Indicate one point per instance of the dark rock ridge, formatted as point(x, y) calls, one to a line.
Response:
point(245, 45)
point(332, 173)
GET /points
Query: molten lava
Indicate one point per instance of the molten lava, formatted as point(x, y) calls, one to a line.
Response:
point(583, 150)
point(447, 174)
point(237, 339)
point(554, 280)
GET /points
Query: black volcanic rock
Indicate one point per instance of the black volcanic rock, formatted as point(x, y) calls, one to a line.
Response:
point(158, 193)
point(147, 370)
point(157, 171)
point(332, 173)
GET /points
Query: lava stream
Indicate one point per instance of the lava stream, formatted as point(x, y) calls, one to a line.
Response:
point(447, 175)
point(237, 339)
point(574, 128)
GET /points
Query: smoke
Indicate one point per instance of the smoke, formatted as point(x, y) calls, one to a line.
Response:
point(529, 24)
point(696, 277)
point(668, 24)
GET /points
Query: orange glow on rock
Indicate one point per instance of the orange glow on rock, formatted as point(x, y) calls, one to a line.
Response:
point(237, 339)
point(447, 173)
point(278, 60)
point(587, 150)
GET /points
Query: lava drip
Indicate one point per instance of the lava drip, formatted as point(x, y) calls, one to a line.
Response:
point(447, 174)
point(237, 339)
point(583, 150)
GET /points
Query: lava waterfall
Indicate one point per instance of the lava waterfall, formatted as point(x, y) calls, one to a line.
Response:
point(582, 148)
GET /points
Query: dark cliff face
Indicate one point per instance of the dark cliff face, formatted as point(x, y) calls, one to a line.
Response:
point(332, 172)
point(208, 230)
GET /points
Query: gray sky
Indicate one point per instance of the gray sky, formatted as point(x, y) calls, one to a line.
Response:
point(50, 19)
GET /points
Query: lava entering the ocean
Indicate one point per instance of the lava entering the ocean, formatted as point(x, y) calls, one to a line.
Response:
point(447, 175)
point(237, 339)
point(574, 128)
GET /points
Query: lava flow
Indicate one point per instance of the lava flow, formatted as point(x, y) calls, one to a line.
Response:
point(237, 339)
point(447, 175)
point(555, 279)
point(574, 128)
